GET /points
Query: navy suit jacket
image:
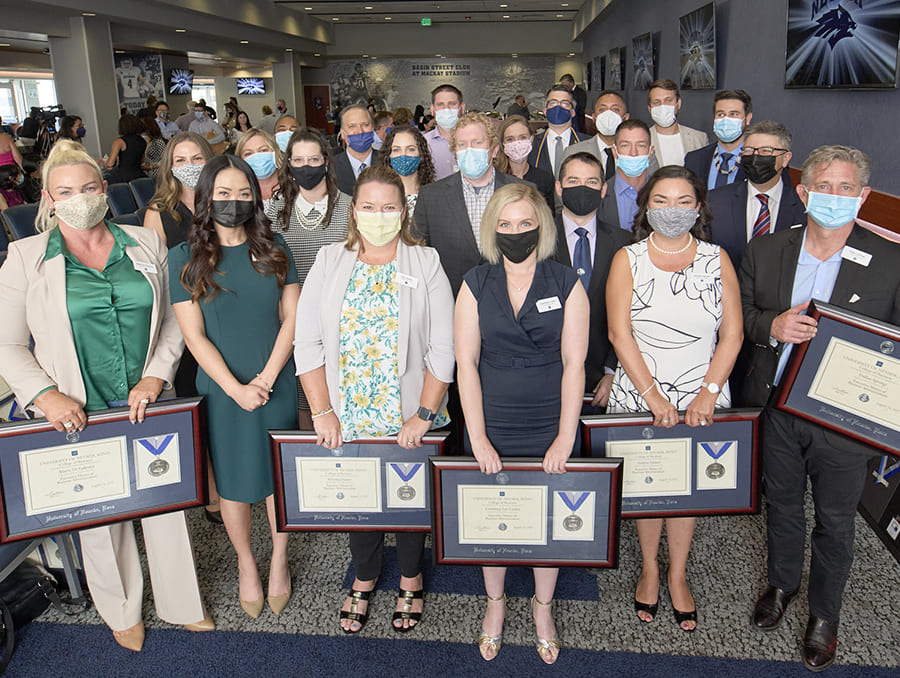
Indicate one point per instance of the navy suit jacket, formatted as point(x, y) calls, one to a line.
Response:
point(700, 161)
point(540, 153)
point(729, 208)
point(346, 180)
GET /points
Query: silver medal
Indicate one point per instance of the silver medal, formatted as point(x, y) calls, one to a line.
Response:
point(406, 492)
point(501, 478)
point(72, 436)
point(572, 523)
point(502, 527)
point(886, 347)
point(715, 471)
point(158, 467)
point(78, 487)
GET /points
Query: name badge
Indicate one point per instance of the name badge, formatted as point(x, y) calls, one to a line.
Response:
point(856, 256)
point(703, 278)
point(407, 280)
point(548, 304)
point(145, 267)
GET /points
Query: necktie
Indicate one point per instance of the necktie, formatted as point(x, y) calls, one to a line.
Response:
point(558, 156)
point(362, 166)
point(724, 169)
point(761, 225)
point(581, 259)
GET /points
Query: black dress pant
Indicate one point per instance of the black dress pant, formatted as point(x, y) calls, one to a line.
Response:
point(367, 549)
point(793, 449)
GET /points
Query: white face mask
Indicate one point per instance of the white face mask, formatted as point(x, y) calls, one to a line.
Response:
point(82, 211)
point(607, 122)
point(664, 116)
point(188, 174)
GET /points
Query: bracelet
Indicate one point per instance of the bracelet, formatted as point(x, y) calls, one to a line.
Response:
point(322, 413)
point(264, 382)
point(648, 389)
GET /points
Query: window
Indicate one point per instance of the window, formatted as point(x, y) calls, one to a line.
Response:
point(18, 95)
point(205, 88)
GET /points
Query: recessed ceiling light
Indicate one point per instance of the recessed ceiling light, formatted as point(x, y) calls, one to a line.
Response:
point(288, 49)
point(368, 7)
point(6, 44)
point(317, 54)
point(387, 18)
point(181, 30)
point(560, 16)
point(308, 9)
point(88, 14)
point(506, 16)
point(571, 53)
point(504, 5)
point(334, 18)
point(365, 56)
point(245, 42)
point(565, 4)
point(514, 56)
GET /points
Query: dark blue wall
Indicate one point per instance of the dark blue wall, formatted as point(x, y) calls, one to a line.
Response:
point(750, 53)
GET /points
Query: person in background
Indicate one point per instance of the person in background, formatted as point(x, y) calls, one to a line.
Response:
point(308, 210)
point(610, 110)
point(428, 123)
point(580, 98)
point(284, 128)
point(670, 139)
point(403, 117)
point(242, 125)
point(208, 128)
point(516, 142)
point(127, 152)
point(168, 128)
point(259, 150)
point(267, 123)
point(507, 351)
point(106, 334)
point(9, 152)
point(234, 291)
point(406, 152)
point(518, 107)
point(358, 133)
point(11, 177)
point(633, 153)
point(550, 144)
point(281, 107)
point(28, 130)
point(446, 106)
point(419, 117)
point(355, 318)
point(30, 188)
point(673, 304)
point(156, 145)
point(185, 119)
point(720, 161)
point(5, 128)
point(71, 127)
point(383, 122)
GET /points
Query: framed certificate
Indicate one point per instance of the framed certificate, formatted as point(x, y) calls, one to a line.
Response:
point(363, 485)
point(111, 471)
point(523, 516)
point(880, 501)
point(847, 377)
point(683, 470)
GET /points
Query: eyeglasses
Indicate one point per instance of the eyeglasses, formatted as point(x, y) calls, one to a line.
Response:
point(314, 160)
point(565, 103)
point(763, 150)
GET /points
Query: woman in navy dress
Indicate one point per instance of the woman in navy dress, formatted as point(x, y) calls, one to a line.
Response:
point(521, 341)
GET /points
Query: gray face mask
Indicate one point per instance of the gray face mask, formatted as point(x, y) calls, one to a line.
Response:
point(188, 174)
point(672, 222)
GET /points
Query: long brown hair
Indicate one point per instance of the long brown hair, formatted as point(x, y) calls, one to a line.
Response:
point(287, 187)
point(425, 173)
point(198, 276)
point(168, 188)
point(501, 162)
point(378, 174)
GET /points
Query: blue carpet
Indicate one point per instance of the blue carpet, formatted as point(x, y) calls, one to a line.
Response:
point(46, 650)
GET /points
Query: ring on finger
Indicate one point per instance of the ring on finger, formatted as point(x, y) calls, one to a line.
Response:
point(69, 424)
point(145, 401)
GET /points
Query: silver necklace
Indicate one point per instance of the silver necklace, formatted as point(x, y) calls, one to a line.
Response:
point(683, 249)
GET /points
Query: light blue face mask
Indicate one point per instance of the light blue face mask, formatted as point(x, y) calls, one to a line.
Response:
point(832, 211)
point(282, 138)
point(198, 115)
point(262, 164)
point(633, 165)
point(473, 162)
point(728, 129)
point(446, 117)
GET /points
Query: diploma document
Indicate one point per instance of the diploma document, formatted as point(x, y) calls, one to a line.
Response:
point(339, 484)
point(653, 467)
point(508, 514)
point(77, 474)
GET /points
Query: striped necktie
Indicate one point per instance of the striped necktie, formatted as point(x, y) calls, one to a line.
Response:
point(761, 225)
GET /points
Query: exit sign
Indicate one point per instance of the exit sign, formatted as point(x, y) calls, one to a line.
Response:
point(426, 20)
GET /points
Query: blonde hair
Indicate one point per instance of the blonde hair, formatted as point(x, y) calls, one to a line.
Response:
point(506, 195)
point(470, 119)
point(269, 139)
point(825, 155)
point(63, 154)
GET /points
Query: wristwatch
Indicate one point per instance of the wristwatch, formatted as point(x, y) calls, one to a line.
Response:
point(711, 387)
point(425, 414)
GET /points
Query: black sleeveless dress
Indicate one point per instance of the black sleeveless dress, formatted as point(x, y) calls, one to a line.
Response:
point(521, 363)
point(131, 157)
point(176, 233)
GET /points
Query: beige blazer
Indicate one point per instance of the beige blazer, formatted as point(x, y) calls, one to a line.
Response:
point(691, 139)
point(425, 330)
point(33, 304)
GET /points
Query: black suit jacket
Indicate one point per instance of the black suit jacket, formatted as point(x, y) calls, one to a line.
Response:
point(610, 239)
point(700, 161)
point(346, 180)
point(729, 209)
point(540, 152)
point(767, 280)
point(442, 220)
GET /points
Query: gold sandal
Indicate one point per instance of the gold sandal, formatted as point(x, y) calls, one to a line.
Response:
point(543, 645)
point(492, 643)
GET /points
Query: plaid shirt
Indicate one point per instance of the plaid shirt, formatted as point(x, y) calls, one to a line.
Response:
point(476, 201)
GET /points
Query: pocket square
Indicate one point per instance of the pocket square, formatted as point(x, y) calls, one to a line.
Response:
point(854, 298)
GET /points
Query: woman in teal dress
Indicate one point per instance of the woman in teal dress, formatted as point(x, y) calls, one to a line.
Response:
point(235, 290)
point(374, 352)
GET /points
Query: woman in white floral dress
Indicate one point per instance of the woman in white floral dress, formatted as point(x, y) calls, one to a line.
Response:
point(374, 351)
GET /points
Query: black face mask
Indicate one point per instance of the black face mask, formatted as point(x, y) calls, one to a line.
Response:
point(308, 177)
point(232, 213)
point(759, 168)
point(517, 246)
point(581, 200)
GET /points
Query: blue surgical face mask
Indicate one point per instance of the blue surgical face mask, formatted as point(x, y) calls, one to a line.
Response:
point(473, 162)
point(262, 164)
point(446, 117)
point(633, 165)
point(404, 165)
point(361, 142)
point(728, 129)
point(832, 211)
point(377, 142)
point(557, 115)
point(282, 138)
point(198, 115)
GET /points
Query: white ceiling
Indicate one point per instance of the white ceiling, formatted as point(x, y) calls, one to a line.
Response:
point(449, 11)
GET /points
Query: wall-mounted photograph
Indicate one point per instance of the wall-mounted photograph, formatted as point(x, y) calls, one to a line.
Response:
point(642, 59)
point(698, 48)
point(615, 64)
point(847, 43)
point(600, 65)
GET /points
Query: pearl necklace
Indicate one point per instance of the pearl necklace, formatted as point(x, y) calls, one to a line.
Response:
point(683, 249)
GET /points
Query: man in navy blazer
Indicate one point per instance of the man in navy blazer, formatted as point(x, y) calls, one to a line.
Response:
point(718, 164)
point(738, 211)
point(832, 259)
point(560, 112)
point(358, 132)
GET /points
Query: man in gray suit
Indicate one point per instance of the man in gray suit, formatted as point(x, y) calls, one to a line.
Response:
point(633, 152)
point(448, 212)
point(671, 140)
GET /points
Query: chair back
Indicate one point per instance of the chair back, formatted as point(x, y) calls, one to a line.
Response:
point(133, 219)
point(142, 189)
point(19, 220)
point(121, 201)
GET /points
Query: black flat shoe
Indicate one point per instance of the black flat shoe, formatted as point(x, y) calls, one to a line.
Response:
point(681, 617)
point(645, 607)
point(353, 614)
point(214, 517)
point(406, 612)
point(819, 644)
point(770, 608)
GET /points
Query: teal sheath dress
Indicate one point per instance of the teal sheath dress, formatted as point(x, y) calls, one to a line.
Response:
point(242, 322)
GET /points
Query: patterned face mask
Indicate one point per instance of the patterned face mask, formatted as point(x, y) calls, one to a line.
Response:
point(82, 211)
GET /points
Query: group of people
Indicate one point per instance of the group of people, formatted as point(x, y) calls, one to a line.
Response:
point(487, 275)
